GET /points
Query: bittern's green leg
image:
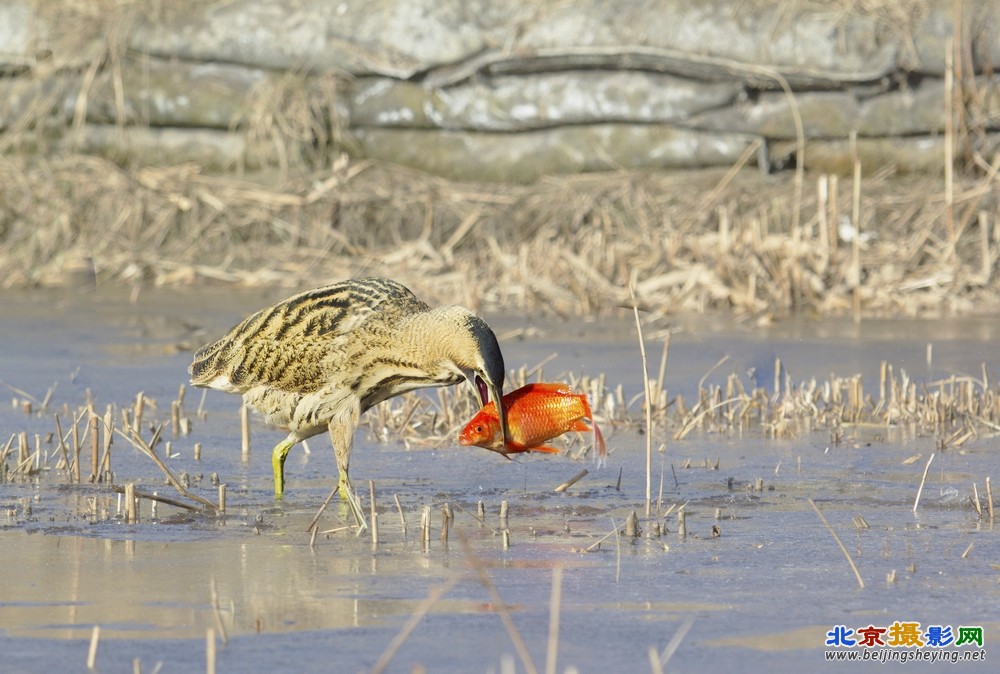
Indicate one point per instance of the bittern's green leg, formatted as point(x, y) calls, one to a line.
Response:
point(278, 464)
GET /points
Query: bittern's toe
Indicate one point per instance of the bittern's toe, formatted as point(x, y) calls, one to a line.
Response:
point(353, 502)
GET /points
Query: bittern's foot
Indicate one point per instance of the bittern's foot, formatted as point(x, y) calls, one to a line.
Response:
point(354, 503)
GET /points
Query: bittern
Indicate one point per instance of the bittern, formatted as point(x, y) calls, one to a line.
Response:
point(316, 361)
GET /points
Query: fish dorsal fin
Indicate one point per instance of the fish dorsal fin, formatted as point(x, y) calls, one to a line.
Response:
point(547, 387)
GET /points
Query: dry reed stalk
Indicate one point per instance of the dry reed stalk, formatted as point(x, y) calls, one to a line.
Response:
point(200, 412)
point(843, 548)
point(402, 516)
point(156, 498)
point(104, 473)
point(570, 482)
point(140, 406)
point(989, 498)
point(659, 495)
point(985, 254)
point(949, 138)
point(504, 507)
point(976, 505)
point(555, 603)
point(649, 411)
point(139, 443)
point(216, 612)
point(323, 506)
point(856, 222)
point(374, 515)
point(662, 374)
point(175, 418)
point(5, 452)
point(131, 504)
point(245, 432)
point(94, 448)
point(446, 518)
point(61, 446)
point(425, 527)
point(23, 453)
point(210, 655)
point(47, 398)
point(95, 639)
point(501, 607)
point(682, 523)
point(923, 479)
point(222, 499)
point(659, 660)
point(433, 597)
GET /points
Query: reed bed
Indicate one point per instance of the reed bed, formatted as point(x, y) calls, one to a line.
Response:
point(699, 241)
point(953, 411)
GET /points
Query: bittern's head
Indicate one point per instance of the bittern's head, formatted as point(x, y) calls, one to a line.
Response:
point(477, 355)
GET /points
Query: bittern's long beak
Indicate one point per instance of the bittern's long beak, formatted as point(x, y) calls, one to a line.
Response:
point(487, 391)
point(497, 396)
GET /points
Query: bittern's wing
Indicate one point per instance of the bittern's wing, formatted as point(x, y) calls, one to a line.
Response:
point(297, 344)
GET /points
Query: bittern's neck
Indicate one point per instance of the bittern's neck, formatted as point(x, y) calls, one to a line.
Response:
point(438, 339)
point(419, 353)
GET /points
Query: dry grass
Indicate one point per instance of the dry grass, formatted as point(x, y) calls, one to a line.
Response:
point(700, 241)
point(568, 245)
point(953, 411)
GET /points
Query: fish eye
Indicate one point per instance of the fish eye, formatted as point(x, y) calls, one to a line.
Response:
point(479, 429)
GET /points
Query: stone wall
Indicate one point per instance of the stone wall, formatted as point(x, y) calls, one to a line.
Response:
point(503, 91)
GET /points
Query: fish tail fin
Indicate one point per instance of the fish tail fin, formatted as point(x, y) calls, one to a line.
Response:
point(600, 447)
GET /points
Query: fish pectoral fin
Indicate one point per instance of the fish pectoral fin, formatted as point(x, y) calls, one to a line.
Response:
point(513, 448)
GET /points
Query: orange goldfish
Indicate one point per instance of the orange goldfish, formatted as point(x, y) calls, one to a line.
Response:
point(535, 413)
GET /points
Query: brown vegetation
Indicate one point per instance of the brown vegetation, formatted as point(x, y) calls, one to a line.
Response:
point(698, 241)
point(755, 244)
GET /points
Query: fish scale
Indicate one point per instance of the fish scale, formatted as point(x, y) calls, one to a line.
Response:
point(564, 410)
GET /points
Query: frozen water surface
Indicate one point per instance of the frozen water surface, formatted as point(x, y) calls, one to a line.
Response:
point(761, 592)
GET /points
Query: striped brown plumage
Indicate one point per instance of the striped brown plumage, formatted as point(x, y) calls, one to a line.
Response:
point(319, 359)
